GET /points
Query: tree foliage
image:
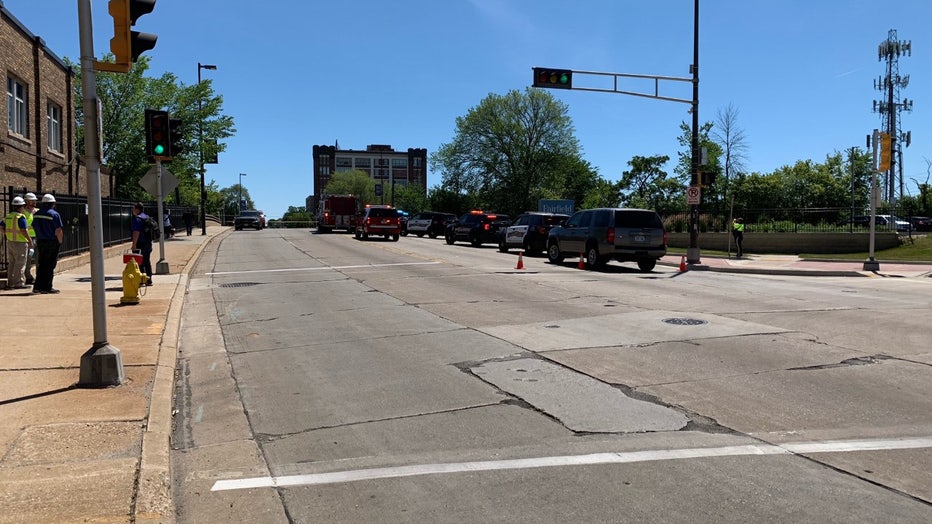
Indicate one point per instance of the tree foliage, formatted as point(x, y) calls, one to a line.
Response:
point(507, 148)
point(353, 183)
point(647, 185)
point(125, 97)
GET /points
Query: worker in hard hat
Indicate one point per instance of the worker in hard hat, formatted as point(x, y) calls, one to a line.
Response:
point(18, 244)
point(50, 232)
point(29, 211)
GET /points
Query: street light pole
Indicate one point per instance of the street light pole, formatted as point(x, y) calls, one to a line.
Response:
point(239, 201)
point(692, 253)
point(200, 147)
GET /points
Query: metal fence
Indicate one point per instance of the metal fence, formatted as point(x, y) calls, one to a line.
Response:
point(116, 220)
point(788, 220)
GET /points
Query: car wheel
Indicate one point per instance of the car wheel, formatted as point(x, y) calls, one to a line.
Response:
point(593, 260)
point(647, 265)
point(365, 236)
point(474, 240)
point(502, 246)
point(553, 253)
point(421, 235)
point(394, 238)
point(404, 233)
point(357, 235)
point(431, 234)
point(450, 239)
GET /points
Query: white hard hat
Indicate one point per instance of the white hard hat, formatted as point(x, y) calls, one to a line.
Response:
point(18, 201)
point(31, 196)
point(48, 198)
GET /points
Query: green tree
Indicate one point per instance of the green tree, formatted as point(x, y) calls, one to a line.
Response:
point(647, 185)
point(410, 199)
point(124, 98)
point(229, 199)
point(353, 183)
point(505, 148)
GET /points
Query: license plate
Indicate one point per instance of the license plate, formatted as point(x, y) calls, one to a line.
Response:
point(640, 238)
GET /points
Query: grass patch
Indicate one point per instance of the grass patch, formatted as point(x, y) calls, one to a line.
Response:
point(919, 249)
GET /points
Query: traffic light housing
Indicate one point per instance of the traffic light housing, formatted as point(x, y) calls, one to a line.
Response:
point(175, 136)
point(706, 179)
point(886, 152)
point(158, 145)
point(126, 45)
point(553, 78)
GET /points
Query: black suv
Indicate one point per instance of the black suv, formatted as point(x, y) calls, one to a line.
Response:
point(622, 234)
point(529, 231)
point(248, 218)
point(477, 228)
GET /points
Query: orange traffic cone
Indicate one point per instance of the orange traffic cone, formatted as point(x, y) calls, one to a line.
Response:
point(582, 262)
point(520, 261)
point(683, 264)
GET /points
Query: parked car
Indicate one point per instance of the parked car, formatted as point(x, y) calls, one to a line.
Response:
point(250, 218)
point(882, 222)
point(622, 234)
point(430, 223)
point(529, 232)
point(921, 223)
point(477, 228)
point(378, 220)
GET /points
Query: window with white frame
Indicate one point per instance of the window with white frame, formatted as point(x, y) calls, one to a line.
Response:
point(53, 117)
point(17, 106)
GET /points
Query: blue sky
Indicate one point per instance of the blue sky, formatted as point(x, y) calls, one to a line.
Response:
point(298, 73)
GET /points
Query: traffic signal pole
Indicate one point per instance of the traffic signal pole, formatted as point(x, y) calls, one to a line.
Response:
point(692, 253)
point(102, 364)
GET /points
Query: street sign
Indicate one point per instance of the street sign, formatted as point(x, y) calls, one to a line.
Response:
point(693, 195)
point(150, 181)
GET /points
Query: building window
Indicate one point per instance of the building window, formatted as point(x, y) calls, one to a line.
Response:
point(363, 163)
point(417, 161)
point(400, 163)
point(17, 106)
point(54, 127)
point(323, 163)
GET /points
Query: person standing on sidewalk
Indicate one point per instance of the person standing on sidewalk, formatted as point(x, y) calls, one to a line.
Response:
point(29, 211)
point(142, 240)
point(18, 243)
point(49, 236)
point(737, 229)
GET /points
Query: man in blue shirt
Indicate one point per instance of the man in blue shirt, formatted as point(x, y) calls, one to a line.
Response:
point(50, 233)
point(141, 240)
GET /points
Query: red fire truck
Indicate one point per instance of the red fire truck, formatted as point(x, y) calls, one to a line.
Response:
point(337, 212)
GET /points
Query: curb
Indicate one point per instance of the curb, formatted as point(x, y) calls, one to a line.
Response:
point(153, 497)
point(772, 271)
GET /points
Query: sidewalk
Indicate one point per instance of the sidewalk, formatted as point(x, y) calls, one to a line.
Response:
point(794, 266)
point(71, 454)
point(102, 455)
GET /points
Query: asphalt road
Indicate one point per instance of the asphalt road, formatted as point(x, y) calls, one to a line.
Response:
point(325, 379)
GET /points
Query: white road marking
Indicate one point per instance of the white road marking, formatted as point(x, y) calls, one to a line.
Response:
point(321, 268)
point(836, 446)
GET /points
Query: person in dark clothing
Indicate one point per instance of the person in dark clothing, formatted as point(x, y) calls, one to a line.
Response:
point(50, 233)
point(737, 229)
point(188, 218)
point(142, 241)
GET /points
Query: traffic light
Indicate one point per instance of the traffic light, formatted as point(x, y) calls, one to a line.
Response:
point(157, 134)
point(175, 147)
point(886, 152)
point(553, 78)
point(706, 179)
point(127, 45)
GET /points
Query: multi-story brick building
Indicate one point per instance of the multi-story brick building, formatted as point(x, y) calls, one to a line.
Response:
point(37, 144)
point(388, 167)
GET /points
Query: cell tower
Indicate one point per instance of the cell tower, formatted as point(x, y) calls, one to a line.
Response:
point(890, 107)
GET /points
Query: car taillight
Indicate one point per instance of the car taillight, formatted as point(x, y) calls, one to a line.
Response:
point(486, 226)
point(610, 236)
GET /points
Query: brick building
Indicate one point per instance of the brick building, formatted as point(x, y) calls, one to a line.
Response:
point(37, 138)
point(381, 162)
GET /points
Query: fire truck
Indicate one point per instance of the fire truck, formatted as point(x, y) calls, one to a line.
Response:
point(337, 212)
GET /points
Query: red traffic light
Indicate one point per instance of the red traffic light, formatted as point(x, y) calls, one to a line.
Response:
point(553, 78)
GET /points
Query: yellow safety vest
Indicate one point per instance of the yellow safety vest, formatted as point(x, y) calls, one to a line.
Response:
point(738, 227)
point(12, 227)
point(29, 229)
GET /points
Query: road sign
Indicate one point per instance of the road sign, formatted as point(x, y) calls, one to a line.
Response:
point(693, 195)
point(150, 181)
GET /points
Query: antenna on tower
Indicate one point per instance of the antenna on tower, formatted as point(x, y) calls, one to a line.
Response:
point(890, 107)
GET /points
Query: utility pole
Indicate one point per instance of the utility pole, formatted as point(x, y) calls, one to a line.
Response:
point(102, 364)
point(692, 253)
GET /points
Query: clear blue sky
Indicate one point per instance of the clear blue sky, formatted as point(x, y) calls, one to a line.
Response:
point(298, 73)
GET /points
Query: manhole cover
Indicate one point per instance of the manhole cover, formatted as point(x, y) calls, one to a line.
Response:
point(685, 321)
point(240, 284)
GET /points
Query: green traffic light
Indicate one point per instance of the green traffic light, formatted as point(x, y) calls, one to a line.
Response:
point(564, 78)
point(159, 149)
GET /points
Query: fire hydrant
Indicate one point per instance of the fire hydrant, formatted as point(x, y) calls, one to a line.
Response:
point(133, 279)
